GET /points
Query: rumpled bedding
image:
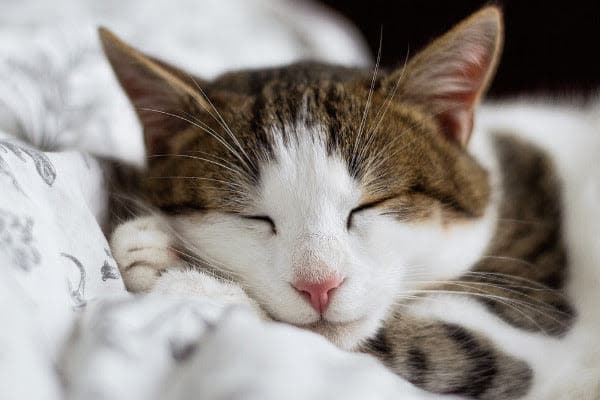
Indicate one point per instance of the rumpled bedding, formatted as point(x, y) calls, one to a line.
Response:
point(69, 328)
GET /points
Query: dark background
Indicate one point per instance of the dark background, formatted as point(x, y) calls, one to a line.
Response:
point(551, 47)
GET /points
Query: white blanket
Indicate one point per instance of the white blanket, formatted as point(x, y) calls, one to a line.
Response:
point(69, 329)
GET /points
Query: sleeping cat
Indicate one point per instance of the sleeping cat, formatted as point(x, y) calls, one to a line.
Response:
point(354, 204)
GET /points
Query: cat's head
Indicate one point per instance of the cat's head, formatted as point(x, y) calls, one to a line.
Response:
point(328, 192)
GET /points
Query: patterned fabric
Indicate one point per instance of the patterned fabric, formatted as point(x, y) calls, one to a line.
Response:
point(54, 257)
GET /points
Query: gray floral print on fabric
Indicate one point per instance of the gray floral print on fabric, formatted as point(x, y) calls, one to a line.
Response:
point(77, 293)
point(43, 165)
point(108, 271)
point(5, 170)
point(16, 240)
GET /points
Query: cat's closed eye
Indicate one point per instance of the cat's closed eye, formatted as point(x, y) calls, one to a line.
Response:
point(360, 208)
point(263, 219)
point(351, 216)
point(364, 207)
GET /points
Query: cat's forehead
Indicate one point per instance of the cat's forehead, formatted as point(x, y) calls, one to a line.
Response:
point(305, 175)
point(319, 133)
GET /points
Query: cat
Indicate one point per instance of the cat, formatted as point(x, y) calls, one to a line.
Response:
point(355, 204)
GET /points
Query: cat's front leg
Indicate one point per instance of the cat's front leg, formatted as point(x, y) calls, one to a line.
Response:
point(144, 251)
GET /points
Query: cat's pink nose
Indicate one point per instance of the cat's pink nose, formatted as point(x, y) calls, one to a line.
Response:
point(318, 293)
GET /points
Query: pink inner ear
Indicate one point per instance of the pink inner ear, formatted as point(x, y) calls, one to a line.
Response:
point(457, 119)
point(140, 85)
point(153, 101)
point(134, 89)
point(474, 71)
point(457, 125)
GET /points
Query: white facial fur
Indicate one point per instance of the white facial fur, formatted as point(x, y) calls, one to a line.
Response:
point(309, 195)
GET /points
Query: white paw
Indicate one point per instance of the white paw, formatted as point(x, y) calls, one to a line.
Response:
point(193, 283)
point(142, 250)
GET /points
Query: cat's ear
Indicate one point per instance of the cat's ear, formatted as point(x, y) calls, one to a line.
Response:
point(161, 94)
point(450, 75)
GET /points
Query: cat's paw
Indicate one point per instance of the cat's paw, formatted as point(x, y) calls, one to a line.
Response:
point(193, 283)
point(142, 250)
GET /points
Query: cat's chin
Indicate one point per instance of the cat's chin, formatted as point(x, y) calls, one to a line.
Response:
point(346, 335)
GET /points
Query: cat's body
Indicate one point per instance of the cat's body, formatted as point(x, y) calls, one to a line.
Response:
point(344, 202)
